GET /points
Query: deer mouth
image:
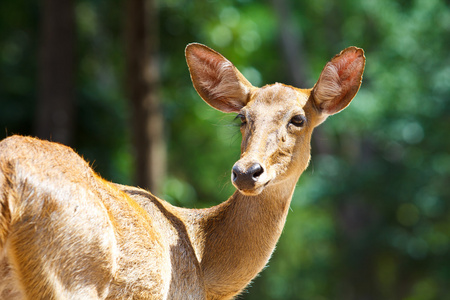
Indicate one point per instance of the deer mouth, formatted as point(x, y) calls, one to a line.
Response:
point(254, 191)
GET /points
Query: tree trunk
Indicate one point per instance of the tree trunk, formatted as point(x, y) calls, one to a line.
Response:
point(55, 111)
point(143, 84)
point(297, 63)
point(291, 46)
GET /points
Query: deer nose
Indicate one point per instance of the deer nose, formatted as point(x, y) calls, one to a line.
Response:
point(246, 178)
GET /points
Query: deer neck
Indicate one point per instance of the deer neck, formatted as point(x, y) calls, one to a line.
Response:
point(240, 235)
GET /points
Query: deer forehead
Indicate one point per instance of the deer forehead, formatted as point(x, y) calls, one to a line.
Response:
point(277, 101)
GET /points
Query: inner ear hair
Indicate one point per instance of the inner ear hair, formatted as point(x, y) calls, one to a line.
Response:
point(216, 79)
point(339, 81)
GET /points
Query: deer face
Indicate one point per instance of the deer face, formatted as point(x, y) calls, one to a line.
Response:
point(275, 130)
point(276, 120)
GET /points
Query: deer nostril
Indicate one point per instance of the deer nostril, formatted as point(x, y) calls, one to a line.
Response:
point(234, 175)
point(235, 172)
point(256, 170)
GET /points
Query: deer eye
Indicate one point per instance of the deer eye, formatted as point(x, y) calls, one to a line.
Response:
point(242, 118)
point(298, 120)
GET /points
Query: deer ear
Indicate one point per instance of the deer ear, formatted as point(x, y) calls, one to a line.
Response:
point(339, 81)
point(216, 79)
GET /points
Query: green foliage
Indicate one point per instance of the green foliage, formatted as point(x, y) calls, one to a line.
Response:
point(17, 65)
point(369, 218)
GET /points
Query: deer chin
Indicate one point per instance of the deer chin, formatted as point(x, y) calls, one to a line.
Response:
point(254, 192)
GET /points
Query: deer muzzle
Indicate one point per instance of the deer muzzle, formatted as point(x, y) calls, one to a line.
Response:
point(249, 178)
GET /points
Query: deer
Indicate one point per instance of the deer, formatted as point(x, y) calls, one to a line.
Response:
point(67, 233)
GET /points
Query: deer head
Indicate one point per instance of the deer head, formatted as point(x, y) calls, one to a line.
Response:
point(277, 120)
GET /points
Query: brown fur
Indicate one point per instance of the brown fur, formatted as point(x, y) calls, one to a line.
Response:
point(65, 233)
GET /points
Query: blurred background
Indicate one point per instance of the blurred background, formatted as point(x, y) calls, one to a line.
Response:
point(369, 218)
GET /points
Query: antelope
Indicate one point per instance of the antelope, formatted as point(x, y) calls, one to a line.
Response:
point(66, 233)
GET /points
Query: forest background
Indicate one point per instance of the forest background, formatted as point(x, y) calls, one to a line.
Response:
point(370, 218)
